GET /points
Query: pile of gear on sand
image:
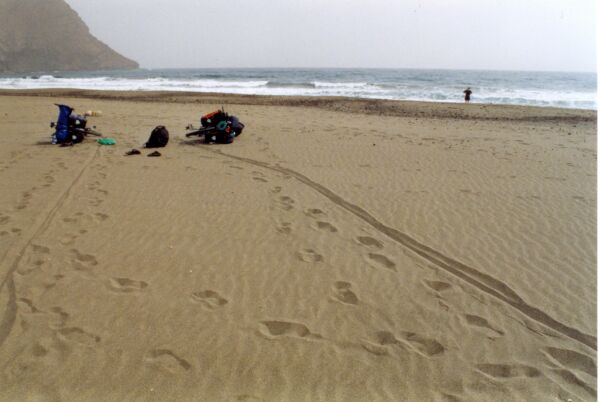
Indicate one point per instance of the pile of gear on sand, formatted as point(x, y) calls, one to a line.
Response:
point(217, 127)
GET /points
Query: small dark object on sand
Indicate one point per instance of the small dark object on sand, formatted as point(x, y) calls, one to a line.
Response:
point(133, 152)
point(155, 153)
point(158, 138)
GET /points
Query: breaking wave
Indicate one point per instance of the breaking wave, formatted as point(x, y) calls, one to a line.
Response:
point(570, 90)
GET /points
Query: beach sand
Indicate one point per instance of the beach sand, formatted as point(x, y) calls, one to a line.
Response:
point(339, 250)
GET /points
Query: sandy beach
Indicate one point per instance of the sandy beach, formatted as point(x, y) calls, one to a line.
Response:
point(338, 250)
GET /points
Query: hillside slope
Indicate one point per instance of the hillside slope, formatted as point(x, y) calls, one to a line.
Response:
point(48, 35)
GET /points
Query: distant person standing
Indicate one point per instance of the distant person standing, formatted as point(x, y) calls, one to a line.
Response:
point(467, 93)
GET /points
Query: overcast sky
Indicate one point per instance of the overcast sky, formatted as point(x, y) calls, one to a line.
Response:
point(542, 35)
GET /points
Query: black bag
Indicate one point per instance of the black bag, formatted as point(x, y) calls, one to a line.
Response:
point(236, 125)
point(158, 138)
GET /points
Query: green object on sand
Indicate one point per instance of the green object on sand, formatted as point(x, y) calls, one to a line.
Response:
point(106, 141)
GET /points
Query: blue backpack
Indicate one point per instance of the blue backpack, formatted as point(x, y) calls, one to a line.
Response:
point(62, 124)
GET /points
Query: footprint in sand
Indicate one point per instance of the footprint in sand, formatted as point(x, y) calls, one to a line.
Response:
point(274, 329)
point(369, 242)
point(168, 360)
point(407, 341)
point(49, 350)
point(209, 299)
point(83, 262)
point(26, 306)
point(287, 203)
point(38, 350)
point(260, 179)
point(309, 255)
point(95, 202)
point(508, 370)
point(13, 231)
point(285, 228)
point(571, 378)
point(438, 286)
point(426, 346)
point(380, 260)
point(126, 285)
point(78, 335)
point(443, 306)
point(326, 226)
point(60, 317)
point(315, 213)
point(481, 322)
point(68, 239)
point(572, 360)
point(343, 294)
point(34, 262)
point(40, 249)
point(26, 197)
point(101, 217)
point(379, 346)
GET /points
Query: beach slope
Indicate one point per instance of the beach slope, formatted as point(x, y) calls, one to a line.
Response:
point(339, 250)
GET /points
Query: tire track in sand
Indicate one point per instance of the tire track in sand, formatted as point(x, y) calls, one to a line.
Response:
point(484, 282)
point(10, 312)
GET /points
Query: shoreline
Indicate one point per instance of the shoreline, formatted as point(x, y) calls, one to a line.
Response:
point(381, 107)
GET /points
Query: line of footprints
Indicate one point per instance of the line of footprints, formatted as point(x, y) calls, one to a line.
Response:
point(562, 362)
point(384, 342)
point(309, 255)
point(57, 318)
point(86, 265)
point(342, 291)
point(25, 200)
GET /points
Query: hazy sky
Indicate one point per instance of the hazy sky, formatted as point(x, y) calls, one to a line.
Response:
point(478, 34)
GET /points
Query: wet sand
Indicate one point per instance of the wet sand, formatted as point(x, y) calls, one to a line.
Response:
point(339, 250)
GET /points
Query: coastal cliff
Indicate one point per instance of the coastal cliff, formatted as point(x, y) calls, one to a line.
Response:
point(48, 35)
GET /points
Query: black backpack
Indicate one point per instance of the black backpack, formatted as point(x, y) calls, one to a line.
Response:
point(236, 125)
point(158, 138)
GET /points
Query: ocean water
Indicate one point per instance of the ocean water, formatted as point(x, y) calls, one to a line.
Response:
point(555, 89)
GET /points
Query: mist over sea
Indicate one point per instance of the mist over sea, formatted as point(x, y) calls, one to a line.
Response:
point(555, 89)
